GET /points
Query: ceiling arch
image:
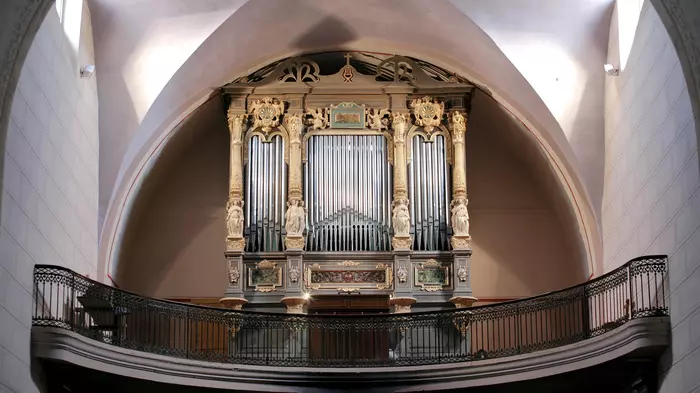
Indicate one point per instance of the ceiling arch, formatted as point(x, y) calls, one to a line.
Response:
point(257, 34)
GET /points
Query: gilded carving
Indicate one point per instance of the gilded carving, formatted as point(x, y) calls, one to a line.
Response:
point(399, 123)
point(234, 218)
point(401, 217)
point(348, 263)
point(319, 118)
point(235, 244)
point(459, 126)
point(294, 127)
point(266, 276)
point(378, 119)
point(404, 243)
point(295, 218)
point(236, 124)
point(294, 243)
point(267, 113)
point(428, 112)
point(295, 308)
point(461, 243)
point(460, 217)
point(265, 264)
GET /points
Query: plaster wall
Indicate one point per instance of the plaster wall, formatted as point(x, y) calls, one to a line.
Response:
point(175, 250)
point(572, 39)
point(141, 45)
point(49, 189)
point(652, 187)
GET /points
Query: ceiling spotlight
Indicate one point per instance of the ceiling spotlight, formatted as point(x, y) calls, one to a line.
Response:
point(611, 70)
point(87, 71)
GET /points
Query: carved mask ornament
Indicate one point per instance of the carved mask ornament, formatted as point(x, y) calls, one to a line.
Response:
point(428, 112)
point(267, 113)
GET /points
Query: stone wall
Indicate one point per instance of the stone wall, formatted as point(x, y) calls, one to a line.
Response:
point(49, 201)
point(651, 201)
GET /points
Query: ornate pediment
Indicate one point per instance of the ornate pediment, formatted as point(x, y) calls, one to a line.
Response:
point(350, 70)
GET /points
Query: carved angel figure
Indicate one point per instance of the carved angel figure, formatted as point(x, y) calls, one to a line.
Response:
point(234, 219)
point(401, 218)
point(295, 218)
point(460, 217)
point(319, 118)
point(377, 119)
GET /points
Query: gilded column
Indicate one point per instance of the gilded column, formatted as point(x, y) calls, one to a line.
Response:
point(460, 215)
point(235, 242)
point(461, 240)
point(295, 218)
point(401, 218)
point(234, 205)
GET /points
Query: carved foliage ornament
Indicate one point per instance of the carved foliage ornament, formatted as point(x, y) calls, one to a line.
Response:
point(428, 112)
point(267, 113)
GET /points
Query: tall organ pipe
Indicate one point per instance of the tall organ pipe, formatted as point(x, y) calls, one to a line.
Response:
point(429, 192)
point(348, 188)
point(266, 194)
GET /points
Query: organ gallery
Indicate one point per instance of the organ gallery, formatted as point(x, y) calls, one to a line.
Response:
point(348, 178)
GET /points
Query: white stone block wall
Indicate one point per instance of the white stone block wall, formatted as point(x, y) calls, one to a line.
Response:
point(651, 202)
point(50, 184)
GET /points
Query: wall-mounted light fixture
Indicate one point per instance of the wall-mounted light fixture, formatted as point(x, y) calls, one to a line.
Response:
point(611, 70)
point(87, 70)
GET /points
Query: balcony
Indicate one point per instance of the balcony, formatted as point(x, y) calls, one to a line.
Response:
point(621, 314)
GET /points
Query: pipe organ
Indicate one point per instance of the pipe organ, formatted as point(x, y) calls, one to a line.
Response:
point(348, 180)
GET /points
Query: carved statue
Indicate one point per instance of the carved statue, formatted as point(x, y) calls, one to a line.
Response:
point(460, 217)
point(377, 119)
point(319, 118)
point(295, 218)
point(401, 218)
point(234, 219)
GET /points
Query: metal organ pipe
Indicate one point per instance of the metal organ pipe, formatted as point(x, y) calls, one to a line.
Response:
point(429, 193)
point(266, 194)
point(349, 193)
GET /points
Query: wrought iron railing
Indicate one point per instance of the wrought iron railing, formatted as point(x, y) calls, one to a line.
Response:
point(70, 301)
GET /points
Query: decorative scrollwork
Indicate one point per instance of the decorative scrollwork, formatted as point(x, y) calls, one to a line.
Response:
point(300, 70)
